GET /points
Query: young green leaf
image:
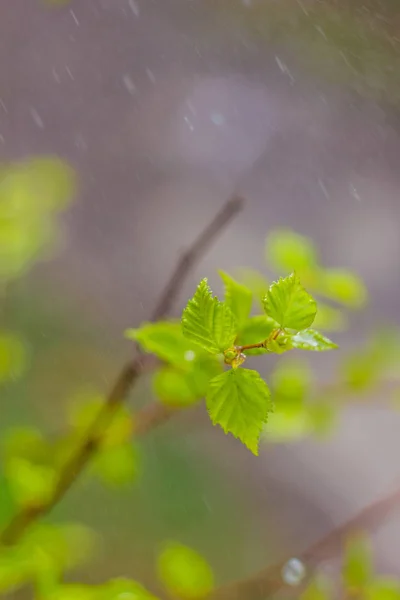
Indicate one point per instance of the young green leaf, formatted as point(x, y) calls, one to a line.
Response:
point(83, 411)
point(290, 251)
point(383, 588)
point(209, 322)
point(255, 330)
point(239, 401)
point(357, 563)
point(117, 465)
point(343, 286)
point(288, 303)
point(279, 344)
point(13, 356)
point(254, 281)
point(118, 589)
point(180, 388)
point(319, 589)
point(75, 591)
point(63, 546)
point(309, 339)
point(184, 573)
point(31, 485)
point(238, 297)
point(166, 340)
point(291, 381)
point(329, 318)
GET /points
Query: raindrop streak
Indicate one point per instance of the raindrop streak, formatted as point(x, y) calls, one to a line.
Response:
point(323, 188)
point(354, 193)
point(321, 32)
point(189, 124)
point(56, 76)
point(293, 572)
point(134, 6)
point(69, 72)
point(128, 83)
point(151, 75)
point(36, 118)
point(73, 15)
point(284, 68)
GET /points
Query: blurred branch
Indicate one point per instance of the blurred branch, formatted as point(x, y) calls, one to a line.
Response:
point(125, 381)
point(270, 580)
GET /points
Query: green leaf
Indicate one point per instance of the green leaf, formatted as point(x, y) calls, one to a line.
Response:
point(25, 442)
point(75, 591)
point(383, 588)
point(184, 572)
point(239, 401)
point(288, 303)
point(291, 382)
point(360, 371)
point(255, 330)
point(15, 571)
point(309, 339)
point(322, 417)
point(42, 183)
point(289, 251)
point(118, 465)
point(31, 485)
point(378, 358)
point(254, 281)
point(83, 411)
point(329, 318)
point(165, 339)
point(319, 589)
point(344, 287)
point(208, 322)
point(357, 563)
point(58, 547)
point(180, 388)
point(287, 424)
point(238, 297)
point(124, 589)
point(13, 357)
point(280, 343)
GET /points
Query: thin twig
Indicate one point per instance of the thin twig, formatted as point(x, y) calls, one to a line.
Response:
point(191, 256)
point(269, 581)
point(124, 383)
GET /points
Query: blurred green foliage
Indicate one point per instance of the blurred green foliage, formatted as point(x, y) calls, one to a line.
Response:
point(32, 194)
point(359, 579)
point(184, 573)
point(201, 359)
point(13, 356)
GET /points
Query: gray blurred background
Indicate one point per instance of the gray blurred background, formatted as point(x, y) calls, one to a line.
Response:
point(164, 108)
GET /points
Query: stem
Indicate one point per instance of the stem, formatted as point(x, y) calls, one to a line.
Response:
point(269, 581)
point(251, 346)
point(272, 336)
point(124, 383)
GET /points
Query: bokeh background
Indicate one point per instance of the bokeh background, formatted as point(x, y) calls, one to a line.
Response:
point(164, 108)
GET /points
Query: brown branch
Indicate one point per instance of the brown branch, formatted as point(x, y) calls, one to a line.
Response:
point(269, 581)
point(189, 258)
point(147, 418)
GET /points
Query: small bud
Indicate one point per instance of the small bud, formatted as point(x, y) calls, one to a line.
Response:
point(238, 360)
point(230, 355)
